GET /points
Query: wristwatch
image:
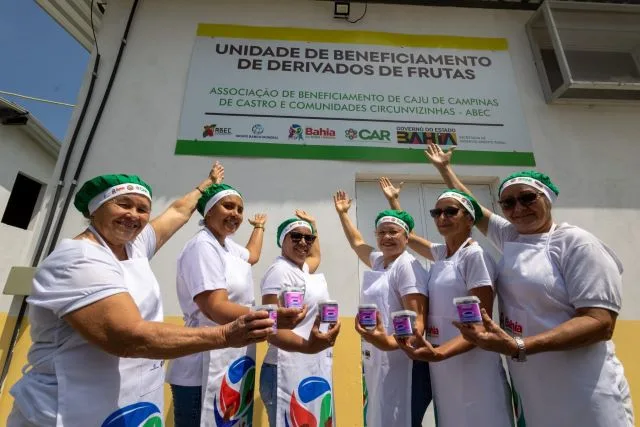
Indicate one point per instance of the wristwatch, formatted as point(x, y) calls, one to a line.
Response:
point(521, 356)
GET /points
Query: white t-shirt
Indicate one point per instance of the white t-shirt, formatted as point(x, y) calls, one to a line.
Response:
point(590, 269)
point(280, 275)
point(77, 273)
point(405, 275)
point(475, 266)
point(200, 269)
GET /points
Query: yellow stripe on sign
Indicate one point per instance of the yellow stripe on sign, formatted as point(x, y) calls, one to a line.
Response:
point(351, 37)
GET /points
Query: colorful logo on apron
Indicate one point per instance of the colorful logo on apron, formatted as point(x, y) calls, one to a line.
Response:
point(311, 391)
point(234, 405)
point(141, 414)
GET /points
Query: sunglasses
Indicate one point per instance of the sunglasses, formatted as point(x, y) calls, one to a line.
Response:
point(525, 199)
point(297, 237)
point(448, 212)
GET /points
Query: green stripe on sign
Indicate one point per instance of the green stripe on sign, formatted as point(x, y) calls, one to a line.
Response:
point(342, 152)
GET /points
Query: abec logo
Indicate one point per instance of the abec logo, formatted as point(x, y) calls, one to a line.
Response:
point(212, 130)
point(296, 132)
point(310, 404)
point(141, 414)
point(368, 135)
point(319, 133)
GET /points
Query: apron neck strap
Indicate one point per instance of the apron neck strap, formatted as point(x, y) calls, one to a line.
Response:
point(551, 230)
point(103, 242)
point(462, 246)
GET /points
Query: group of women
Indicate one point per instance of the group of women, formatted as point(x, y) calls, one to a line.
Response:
point(99, 341)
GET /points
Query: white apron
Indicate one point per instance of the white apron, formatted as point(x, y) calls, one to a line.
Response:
point(98, 389)
point(470, 388)
point(584, 387)
point(305, 381)
point(387, 374)
point(228, 375)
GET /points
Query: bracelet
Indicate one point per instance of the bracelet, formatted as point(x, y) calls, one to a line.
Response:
point(259, 226)
point(198, 188)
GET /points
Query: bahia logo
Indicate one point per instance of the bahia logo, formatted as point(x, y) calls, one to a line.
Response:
point(234, 405)
point(315, 392)
point(141, 414)
point(296, 132)
point(319, 133)
point(213, 130)
point(257, 129)
point(512, 326)
point(381, 135)
point(433, 332)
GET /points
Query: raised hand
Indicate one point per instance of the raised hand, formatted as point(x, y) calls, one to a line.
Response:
point(389, 191)
point(258, 219)
point(437, 156)
point(341, 201)
point(303, 215)
point(217, 173)
point(248, 329)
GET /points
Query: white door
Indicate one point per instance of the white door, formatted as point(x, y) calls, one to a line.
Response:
point(417, 199)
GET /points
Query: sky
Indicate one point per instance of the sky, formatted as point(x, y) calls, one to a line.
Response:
point(39, 58)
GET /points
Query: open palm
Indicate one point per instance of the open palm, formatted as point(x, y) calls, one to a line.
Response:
point(303, 215)
point(388, 189)
point(258, 219)
point(437, 156)
point(341, 201)
point(217, 173)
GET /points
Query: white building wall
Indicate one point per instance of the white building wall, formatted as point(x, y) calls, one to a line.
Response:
point(591, 152)
point(18, 153)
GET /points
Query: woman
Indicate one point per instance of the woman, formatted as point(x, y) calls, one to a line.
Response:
point(470, 385)
point(96, 315)
point(397, 281)
point(297, 357)
point(215, 287)
point(559, 289)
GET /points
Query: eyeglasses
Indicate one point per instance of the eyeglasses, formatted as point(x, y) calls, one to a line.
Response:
point(448, 212)
point(525, 199)
point(390, 233)
point(297, 237)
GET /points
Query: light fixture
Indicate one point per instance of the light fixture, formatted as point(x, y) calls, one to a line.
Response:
point(341, 9)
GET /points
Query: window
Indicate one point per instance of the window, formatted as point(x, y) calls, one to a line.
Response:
point(22, 202)
point(587, 51)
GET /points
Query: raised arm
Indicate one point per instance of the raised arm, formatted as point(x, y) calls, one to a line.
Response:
point(180, 211)
point(442, 162)
point(254, 245)
point(419, 244)
point(313, 259)
point(342, 204)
